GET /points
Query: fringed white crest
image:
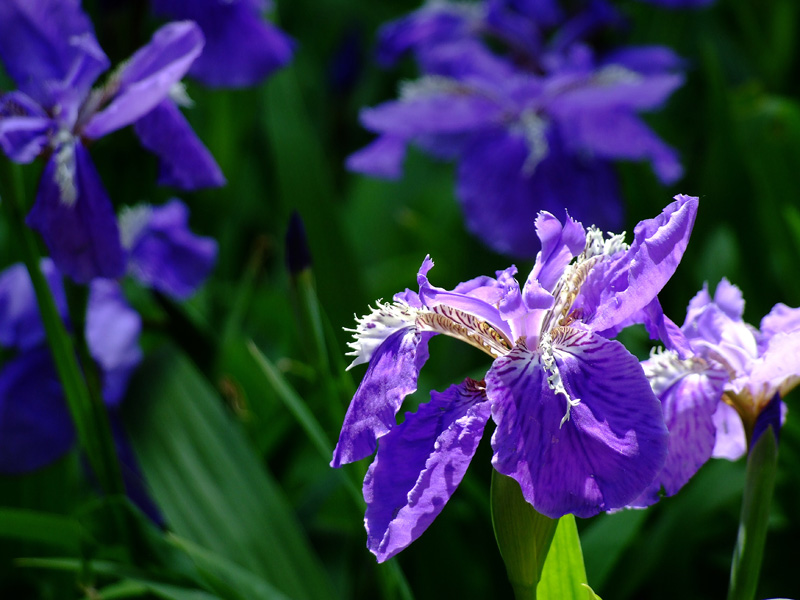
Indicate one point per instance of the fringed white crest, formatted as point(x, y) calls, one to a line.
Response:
point(371, 330)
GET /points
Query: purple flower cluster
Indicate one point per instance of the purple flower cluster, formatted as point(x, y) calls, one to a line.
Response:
point(722, 383)
point(533, 126)
point(49, 49)
point(35, 426)
point(577, 423)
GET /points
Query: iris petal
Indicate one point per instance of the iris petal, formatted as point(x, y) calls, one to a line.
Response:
point(607, 452)
point(390, 377)
point(419, 465)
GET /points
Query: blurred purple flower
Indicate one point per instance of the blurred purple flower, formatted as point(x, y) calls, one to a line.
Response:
point(578, 426)
point(241, 49)
point(49, 49)
point(723, 385)
point(532, 129)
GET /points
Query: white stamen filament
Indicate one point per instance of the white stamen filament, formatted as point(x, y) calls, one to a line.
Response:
point(64, 176)
point(554, 376)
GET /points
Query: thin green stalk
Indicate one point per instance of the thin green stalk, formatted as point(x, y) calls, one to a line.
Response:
point(88, 413)
point(762, 464)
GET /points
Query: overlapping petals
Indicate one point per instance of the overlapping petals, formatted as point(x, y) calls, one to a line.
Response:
point(578, 424)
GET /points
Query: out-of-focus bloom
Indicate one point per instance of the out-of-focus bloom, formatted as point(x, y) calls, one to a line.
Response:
point(676, 4)
point(49, 49)
point(534, 128)
point(578, 426)
point(241, 49)
point(723, 384)
point(35, 425)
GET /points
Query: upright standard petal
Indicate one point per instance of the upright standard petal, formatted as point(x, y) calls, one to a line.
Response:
point(147, 78)
point(608, 451)
point(112, 334)
point(616, 289)
point(690, 391)
point(163, 253)
point(391, 376)
point(81, 234)
point(419, 465)
point(35, 425)
point(184, 162)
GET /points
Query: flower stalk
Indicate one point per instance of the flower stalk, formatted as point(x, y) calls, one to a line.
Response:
point(762, 465)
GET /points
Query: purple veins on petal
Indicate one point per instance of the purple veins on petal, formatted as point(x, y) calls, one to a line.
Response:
point(35, 425)
point(184, 161)
point(419, 464)
point(74, 215)
point(391, 376)
point(690, 391)
point(609, 449)
point(163, 253)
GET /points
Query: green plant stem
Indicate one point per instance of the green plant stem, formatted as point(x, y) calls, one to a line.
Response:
point(88, 412)
point(523, 535)
point(762, 463)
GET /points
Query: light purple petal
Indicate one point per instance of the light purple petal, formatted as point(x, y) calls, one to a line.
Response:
point(390, 377)
point(560, 244)
point(112, 334)
point(419, 465)
point(148, 77)
point(648, 60)
point(616, 290)
point(82, 235)
point(780, 319)
point(164, 254)
point(690, 392)
point(445, 111)
point(608, 451)
point(382, 158)
point(24, 127)
point(731, 442)
point(21, 324)
point(184, 162)
point(35, 425)
point(602, 96)
point(777, 369)
point(44, 43)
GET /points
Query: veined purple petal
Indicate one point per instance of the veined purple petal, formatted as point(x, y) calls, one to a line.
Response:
point(420, 464)
point(163, 253)
point(184, 162)
point(501, 198)
point(21, 324)
point(47, 42)
point(112, 334)
point(382, 158)
point(148, 77)
point(560, 244)
point(690, 391)
point(35, 425)
point(616, 290)
point(81, 234)
point(608, 93)
point(621, 134)
point(608, 451)
point(391, 376)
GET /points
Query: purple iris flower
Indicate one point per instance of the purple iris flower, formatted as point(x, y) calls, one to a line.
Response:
point(35, 425)
point(241, 49)
point(534, 128)
point(49, 49)
point(721, 382)
point(578, 426)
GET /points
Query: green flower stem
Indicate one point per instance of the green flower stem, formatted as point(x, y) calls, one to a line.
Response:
point(523, 535)
point(762, 464)
point(87, 411)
